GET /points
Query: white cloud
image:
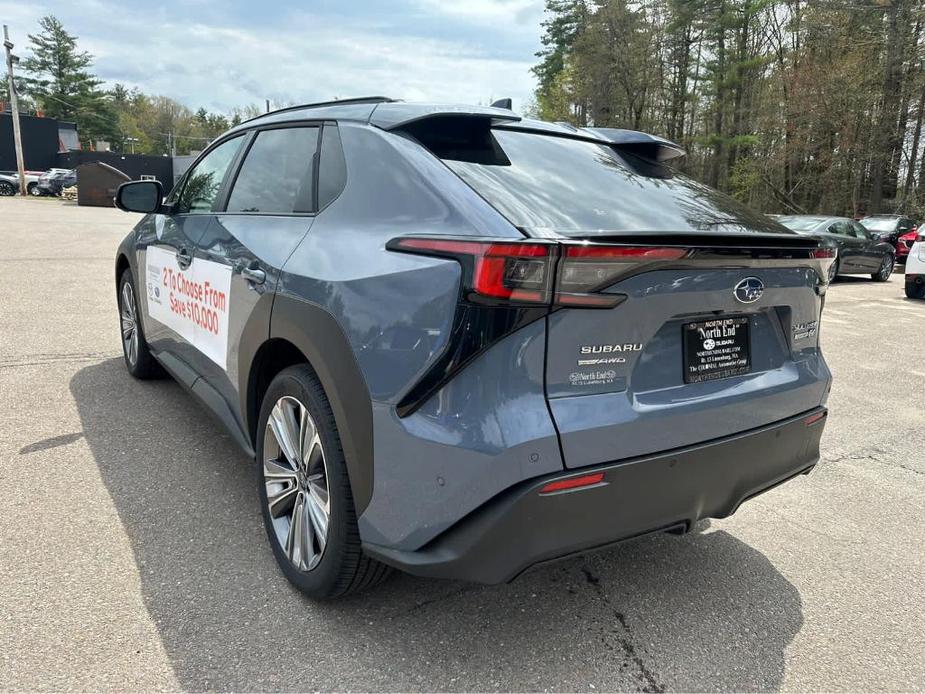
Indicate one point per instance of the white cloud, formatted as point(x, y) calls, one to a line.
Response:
point(303, 57)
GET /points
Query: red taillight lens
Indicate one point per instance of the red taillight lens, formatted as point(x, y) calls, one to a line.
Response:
point(823, 253)
point(813, 418)
point(508, 271)
point(573, 483)
point(523, 272)
point(586, 269)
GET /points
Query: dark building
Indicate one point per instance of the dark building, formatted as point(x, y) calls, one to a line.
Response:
point(49, 143)
point(42, 140)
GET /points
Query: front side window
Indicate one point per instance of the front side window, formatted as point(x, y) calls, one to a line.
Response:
point(277, 176)
point(203, 182)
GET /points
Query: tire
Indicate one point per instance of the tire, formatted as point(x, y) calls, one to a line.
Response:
point(139, 361)
point(303, 490)
point(7, 188)
point(33, 189)
point(915, 291)
point(886, 269)
point(833, 271)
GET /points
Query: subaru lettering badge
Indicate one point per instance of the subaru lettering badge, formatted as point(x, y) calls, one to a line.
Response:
point(749, 290)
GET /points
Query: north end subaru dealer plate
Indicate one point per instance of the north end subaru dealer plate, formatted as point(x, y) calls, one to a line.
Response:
point(716, 348)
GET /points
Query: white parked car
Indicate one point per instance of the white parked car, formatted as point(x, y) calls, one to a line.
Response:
point(915, 269)
point(9, 182)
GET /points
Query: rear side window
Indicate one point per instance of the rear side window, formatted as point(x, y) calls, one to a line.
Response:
point(277, 176)
point(333, 168)
point(575, 187)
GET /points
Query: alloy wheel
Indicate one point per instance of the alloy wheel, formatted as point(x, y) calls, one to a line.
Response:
point(296, 478)
point(886, 267)
point(129, 320)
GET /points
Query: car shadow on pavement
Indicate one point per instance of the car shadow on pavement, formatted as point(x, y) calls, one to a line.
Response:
point(700, 612)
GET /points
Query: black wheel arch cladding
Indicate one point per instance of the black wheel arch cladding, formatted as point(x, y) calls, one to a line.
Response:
point(319, 337)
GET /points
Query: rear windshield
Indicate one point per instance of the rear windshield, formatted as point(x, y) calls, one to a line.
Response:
point(879, 223)
point(574, 187)
point(801, 223)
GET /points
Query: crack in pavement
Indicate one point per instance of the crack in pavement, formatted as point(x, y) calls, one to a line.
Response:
point(873, 454)
point(647, 679)
point(42, 359)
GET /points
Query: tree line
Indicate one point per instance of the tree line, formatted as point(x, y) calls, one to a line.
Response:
point(56, 80)
point(789, 105)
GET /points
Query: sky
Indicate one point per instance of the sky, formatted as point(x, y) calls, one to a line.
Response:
point(220, 54)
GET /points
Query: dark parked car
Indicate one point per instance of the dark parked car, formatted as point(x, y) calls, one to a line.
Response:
point(460, 343)
point(55, 181)
point(859, 253)
point(888, 227)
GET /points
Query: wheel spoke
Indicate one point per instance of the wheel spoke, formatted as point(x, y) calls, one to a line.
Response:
point(295, 539)
point(319, 519)
point(285, 429)
point(317, 488)
point(308, 436)
point(282, 486)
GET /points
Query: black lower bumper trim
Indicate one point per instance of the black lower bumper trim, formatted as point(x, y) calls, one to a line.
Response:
point(665, 492)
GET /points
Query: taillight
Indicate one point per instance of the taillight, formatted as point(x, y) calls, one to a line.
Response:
point(823, 253)
point(584, 270)
point(525, 272)
point(494, 271)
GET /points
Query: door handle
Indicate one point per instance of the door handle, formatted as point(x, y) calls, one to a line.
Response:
point(254, 275)
point(184, 258)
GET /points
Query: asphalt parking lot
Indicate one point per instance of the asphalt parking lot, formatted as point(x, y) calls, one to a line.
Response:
point(132, 554)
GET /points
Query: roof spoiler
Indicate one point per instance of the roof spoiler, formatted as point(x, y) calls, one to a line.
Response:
point(644, 144)
point(395, 115)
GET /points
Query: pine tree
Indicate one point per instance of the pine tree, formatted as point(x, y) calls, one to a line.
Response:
point(57, 77)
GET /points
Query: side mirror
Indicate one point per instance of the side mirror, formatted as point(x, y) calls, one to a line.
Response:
point(140, 196)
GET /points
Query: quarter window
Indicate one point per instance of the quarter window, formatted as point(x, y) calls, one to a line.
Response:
point(204, 181)
point(277, 176)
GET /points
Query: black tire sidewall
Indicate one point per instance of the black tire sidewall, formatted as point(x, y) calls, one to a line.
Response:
point(322, 581)
point(7, 189)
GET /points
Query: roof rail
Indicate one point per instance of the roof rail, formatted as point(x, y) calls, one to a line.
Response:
point(335, 102)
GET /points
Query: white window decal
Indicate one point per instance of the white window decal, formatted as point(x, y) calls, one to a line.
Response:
point(192, 302)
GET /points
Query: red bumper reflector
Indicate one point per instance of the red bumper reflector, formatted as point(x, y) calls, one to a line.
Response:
point(573, 483)
point(813, 418)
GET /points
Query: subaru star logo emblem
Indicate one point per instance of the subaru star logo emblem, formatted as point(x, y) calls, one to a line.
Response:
point(749, 290)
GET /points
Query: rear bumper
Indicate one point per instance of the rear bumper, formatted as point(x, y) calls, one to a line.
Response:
point(669, 491)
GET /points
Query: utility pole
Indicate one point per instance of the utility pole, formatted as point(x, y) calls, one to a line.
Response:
point(14, 105)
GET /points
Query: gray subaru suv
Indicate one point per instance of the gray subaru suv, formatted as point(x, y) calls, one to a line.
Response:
point(462, 343)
